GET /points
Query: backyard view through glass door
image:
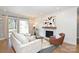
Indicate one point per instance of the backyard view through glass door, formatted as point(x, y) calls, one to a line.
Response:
point(23, 26)
point(18, 25)
point(12, 24)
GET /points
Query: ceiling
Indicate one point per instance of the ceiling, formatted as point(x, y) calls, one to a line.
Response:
point(34, 11)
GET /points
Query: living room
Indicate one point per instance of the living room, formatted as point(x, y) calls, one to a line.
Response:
point(37, 21)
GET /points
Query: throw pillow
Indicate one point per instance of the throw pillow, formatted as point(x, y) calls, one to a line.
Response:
point(31, 38)
point(21, 38)
point(58, 36)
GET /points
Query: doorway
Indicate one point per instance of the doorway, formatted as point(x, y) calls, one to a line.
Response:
point(18, 25)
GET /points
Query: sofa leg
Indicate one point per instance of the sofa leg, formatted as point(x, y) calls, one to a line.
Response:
point(13, 49)
point(38, 52)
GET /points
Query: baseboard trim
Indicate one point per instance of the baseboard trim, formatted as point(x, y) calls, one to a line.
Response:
point(69, 44)
point(2, 38)
point(13, 50)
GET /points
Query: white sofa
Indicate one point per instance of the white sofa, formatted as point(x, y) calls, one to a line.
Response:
point(29, 47)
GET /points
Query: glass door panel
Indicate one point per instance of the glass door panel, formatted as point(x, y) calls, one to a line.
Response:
point(23, 26)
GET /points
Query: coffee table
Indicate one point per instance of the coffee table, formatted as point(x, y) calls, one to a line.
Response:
point(45, 41)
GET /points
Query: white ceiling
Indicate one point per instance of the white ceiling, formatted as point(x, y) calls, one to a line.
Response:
point(34, 11)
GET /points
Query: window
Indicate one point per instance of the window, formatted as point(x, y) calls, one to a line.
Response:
point(12, 24)
point(1, 27)
point(23, 26)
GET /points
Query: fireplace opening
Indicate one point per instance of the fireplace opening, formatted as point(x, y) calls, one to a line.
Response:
point(49, 33)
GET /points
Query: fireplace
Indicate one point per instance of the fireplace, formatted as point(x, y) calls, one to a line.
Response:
point(49, 33)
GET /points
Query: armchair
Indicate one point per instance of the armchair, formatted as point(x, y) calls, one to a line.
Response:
point(57, 41)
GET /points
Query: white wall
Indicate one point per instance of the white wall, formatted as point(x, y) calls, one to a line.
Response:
point(66, 22)
point(78, 26)
point(78, 23)
point(4, 28)
point(1, 27)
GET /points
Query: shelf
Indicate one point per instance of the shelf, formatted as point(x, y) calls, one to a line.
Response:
point(49, 27)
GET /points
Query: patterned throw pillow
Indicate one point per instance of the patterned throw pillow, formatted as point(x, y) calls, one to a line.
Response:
point(58, 36)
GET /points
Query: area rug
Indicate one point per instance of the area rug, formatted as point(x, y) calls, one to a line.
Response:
point(48, 50)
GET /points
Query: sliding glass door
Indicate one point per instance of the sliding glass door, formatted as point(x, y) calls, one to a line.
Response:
point(23, 26)
point(12, 24)
point(18, 25)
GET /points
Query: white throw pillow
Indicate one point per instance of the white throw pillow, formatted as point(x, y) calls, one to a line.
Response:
point(30, 38)
point(27, 34)
point(58, 36)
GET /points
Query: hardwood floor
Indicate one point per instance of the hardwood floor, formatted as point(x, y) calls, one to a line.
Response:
point(4, 47)
point(65, 48)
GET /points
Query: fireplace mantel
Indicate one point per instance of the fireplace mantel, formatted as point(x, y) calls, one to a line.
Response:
point(46, 27)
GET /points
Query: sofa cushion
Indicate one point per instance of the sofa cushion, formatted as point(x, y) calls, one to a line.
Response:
point(24, 38)
point(27, 34)
point(31, 38)
point(21, 38)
